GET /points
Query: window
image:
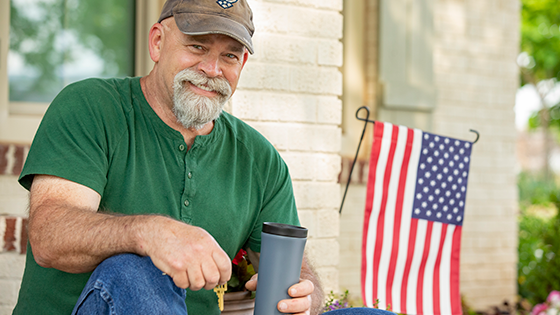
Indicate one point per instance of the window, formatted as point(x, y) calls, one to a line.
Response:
point(47, 44)
point(56, 42)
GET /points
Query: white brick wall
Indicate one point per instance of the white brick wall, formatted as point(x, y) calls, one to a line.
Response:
point(289, 91)
point(474, 62)
point(11, 271)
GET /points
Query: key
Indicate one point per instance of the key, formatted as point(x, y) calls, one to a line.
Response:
point(220, 290)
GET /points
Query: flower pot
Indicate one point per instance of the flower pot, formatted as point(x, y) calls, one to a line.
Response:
point(238, 303)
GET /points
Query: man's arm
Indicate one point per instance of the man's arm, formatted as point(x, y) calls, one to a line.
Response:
point(67, 233)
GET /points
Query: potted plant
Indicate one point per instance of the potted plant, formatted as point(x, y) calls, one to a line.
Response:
point(237, 299)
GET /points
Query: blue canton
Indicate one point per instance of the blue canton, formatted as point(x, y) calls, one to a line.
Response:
point(441, 181)
point(226, 4)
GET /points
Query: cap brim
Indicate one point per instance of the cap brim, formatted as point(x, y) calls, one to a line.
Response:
point(202, 24)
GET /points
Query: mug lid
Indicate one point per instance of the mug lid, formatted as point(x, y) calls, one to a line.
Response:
point(284, 230)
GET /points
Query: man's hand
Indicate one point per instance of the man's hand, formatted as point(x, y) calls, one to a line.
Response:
point(188, 254)
point(299, 304)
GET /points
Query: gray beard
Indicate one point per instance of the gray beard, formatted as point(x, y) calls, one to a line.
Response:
point(193, 110)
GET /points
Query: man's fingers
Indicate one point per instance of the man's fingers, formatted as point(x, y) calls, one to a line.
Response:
point(251, 285)
point(211, 275)
point(223, 264)
point(295, 305)
point(196, 278)
point(301, 289)
point(181, 280)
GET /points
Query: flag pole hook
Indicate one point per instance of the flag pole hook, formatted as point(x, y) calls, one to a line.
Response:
point(366, 120)
point(477, 135)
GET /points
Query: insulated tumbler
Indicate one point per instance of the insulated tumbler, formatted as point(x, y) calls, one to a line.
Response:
point(282, 248)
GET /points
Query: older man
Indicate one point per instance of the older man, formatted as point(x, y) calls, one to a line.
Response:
point(149, 185)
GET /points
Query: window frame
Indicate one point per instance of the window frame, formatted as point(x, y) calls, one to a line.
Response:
point(20, 120)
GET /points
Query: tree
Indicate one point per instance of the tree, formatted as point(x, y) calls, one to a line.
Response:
point(540, 61)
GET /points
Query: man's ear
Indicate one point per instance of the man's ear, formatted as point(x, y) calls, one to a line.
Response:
point(155, 41)
point(245, 57)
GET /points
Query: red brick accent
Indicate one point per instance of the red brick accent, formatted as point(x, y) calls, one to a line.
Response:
point(3, 158)
point(359, 174)
point(12, 236)
point(16, 155)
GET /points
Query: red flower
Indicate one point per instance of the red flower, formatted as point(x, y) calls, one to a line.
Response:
point(239, 257)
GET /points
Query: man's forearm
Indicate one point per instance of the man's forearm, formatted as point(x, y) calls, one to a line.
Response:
point(317, 298)
point(76, 240)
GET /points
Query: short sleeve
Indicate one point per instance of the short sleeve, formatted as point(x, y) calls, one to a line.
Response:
point(73, 140)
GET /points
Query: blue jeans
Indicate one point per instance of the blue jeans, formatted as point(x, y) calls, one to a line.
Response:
point(131, 284)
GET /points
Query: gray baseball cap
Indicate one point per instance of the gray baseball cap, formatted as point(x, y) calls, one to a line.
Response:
point(233, 18)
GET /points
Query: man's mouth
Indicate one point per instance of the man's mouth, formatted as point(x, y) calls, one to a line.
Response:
point(202, 87)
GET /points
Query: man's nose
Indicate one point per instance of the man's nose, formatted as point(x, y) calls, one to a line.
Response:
point(210, 66)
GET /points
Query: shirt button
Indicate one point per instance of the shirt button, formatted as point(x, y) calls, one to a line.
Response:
point(189, 175)
point(187, 203)
point(181, 147)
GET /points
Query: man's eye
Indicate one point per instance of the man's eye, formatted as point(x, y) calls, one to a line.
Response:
point(231, 56)
point(197, 47)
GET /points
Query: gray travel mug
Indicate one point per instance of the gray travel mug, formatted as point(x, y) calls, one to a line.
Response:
point(282, 248)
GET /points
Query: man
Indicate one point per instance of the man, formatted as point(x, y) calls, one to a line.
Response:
point(156, 145)
point(147, 184)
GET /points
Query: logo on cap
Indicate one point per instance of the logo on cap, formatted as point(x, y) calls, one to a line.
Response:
point(226, 4)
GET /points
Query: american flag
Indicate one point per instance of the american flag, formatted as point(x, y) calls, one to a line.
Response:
point(415, 203)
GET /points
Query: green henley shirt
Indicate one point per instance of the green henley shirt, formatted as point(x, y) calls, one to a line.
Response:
point(103, 134)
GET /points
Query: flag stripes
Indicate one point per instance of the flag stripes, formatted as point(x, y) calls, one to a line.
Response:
point(409, 264)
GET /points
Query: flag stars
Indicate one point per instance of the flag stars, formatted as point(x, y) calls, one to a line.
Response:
point(441, 183)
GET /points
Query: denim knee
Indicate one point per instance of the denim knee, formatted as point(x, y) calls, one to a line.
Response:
point(131, 284)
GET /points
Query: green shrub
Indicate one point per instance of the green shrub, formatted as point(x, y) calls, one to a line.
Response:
point(539, 241)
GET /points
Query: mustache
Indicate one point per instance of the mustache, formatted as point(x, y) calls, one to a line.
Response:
point(218, 84)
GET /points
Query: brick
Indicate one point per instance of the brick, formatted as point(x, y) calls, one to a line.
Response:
point(268, 76)
point(329, 110)
point(306, 166)
point(297, 21)
point(9, 292)
point(319, 80)
point(329, 278)
point(287, 48)
point(316, 195)
point(322, 4)
point(328, 223)
point(308, 219)
point(323, 252)
point(12, 266)
point(300, 137)
point(251, 105)
point(329, 53)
